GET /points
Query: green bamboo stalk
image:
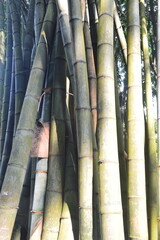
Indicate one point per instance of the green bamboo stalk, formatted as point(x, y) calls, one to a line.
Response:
point(122, 160)
point(40, 10)
point(158, 110)
point(120, 32)
point(10, 196)
point(136, 165)
point(20, 85)
point(69, 228)
point(2, 53)
point(110, 193)
point(9, 128)
point(153, 180)
point(28, 39)
point(84, 124)
point(53, 202)
point(7, 80)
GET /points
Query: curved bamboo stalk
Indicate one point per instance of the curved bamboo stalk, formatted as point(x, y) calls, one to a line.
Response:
point(2, 52)
point(9, 129)
point(153, 180)
point(110, 193)
point(136, 164)
point(158, 110)
point(84, 123)
point(7, 80)
point(9, 197)
point(120, 32)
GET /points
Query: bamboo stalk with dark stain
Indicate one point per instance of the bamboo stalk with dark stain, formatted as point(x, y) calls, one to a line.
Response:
point(110, 192)
point(137, 209)
point(9, 197)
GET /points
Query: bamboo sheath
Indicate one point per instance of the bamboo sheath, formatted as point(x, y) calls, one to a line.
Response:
point(84, 131)
point(9, 128)
point(53, 202)
point(9, 198)
point(8, 72)
point(2, 53)
point(136, 165)
point(153, 180)
point(158, 110)
point(110, 194)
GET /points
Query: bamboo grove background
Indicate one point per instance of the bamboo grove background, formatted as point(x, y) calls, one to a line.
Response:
point(79, 142)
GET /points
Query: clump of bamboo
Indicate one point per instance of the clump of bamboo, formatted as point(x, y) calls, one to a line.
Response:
point(9, 198)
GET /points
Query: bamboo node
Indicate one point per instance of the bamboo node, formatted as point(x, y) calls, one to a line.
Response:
point(36, 212)
point(41, 172)
point(158, 219)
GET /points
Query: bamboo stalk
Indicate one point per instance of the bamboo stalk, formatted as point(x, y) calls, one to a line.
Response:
point(53, 202)
point(136, 165)
point(120, 32)
point(153, 228)
point(9, 198)
point(122, 160)
point(69, 228)
point(8, 72)
point(110, 193)
point(84, 124)
point(20, 85)
point(9, 129)
point(39, 16)
point(28, 39)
